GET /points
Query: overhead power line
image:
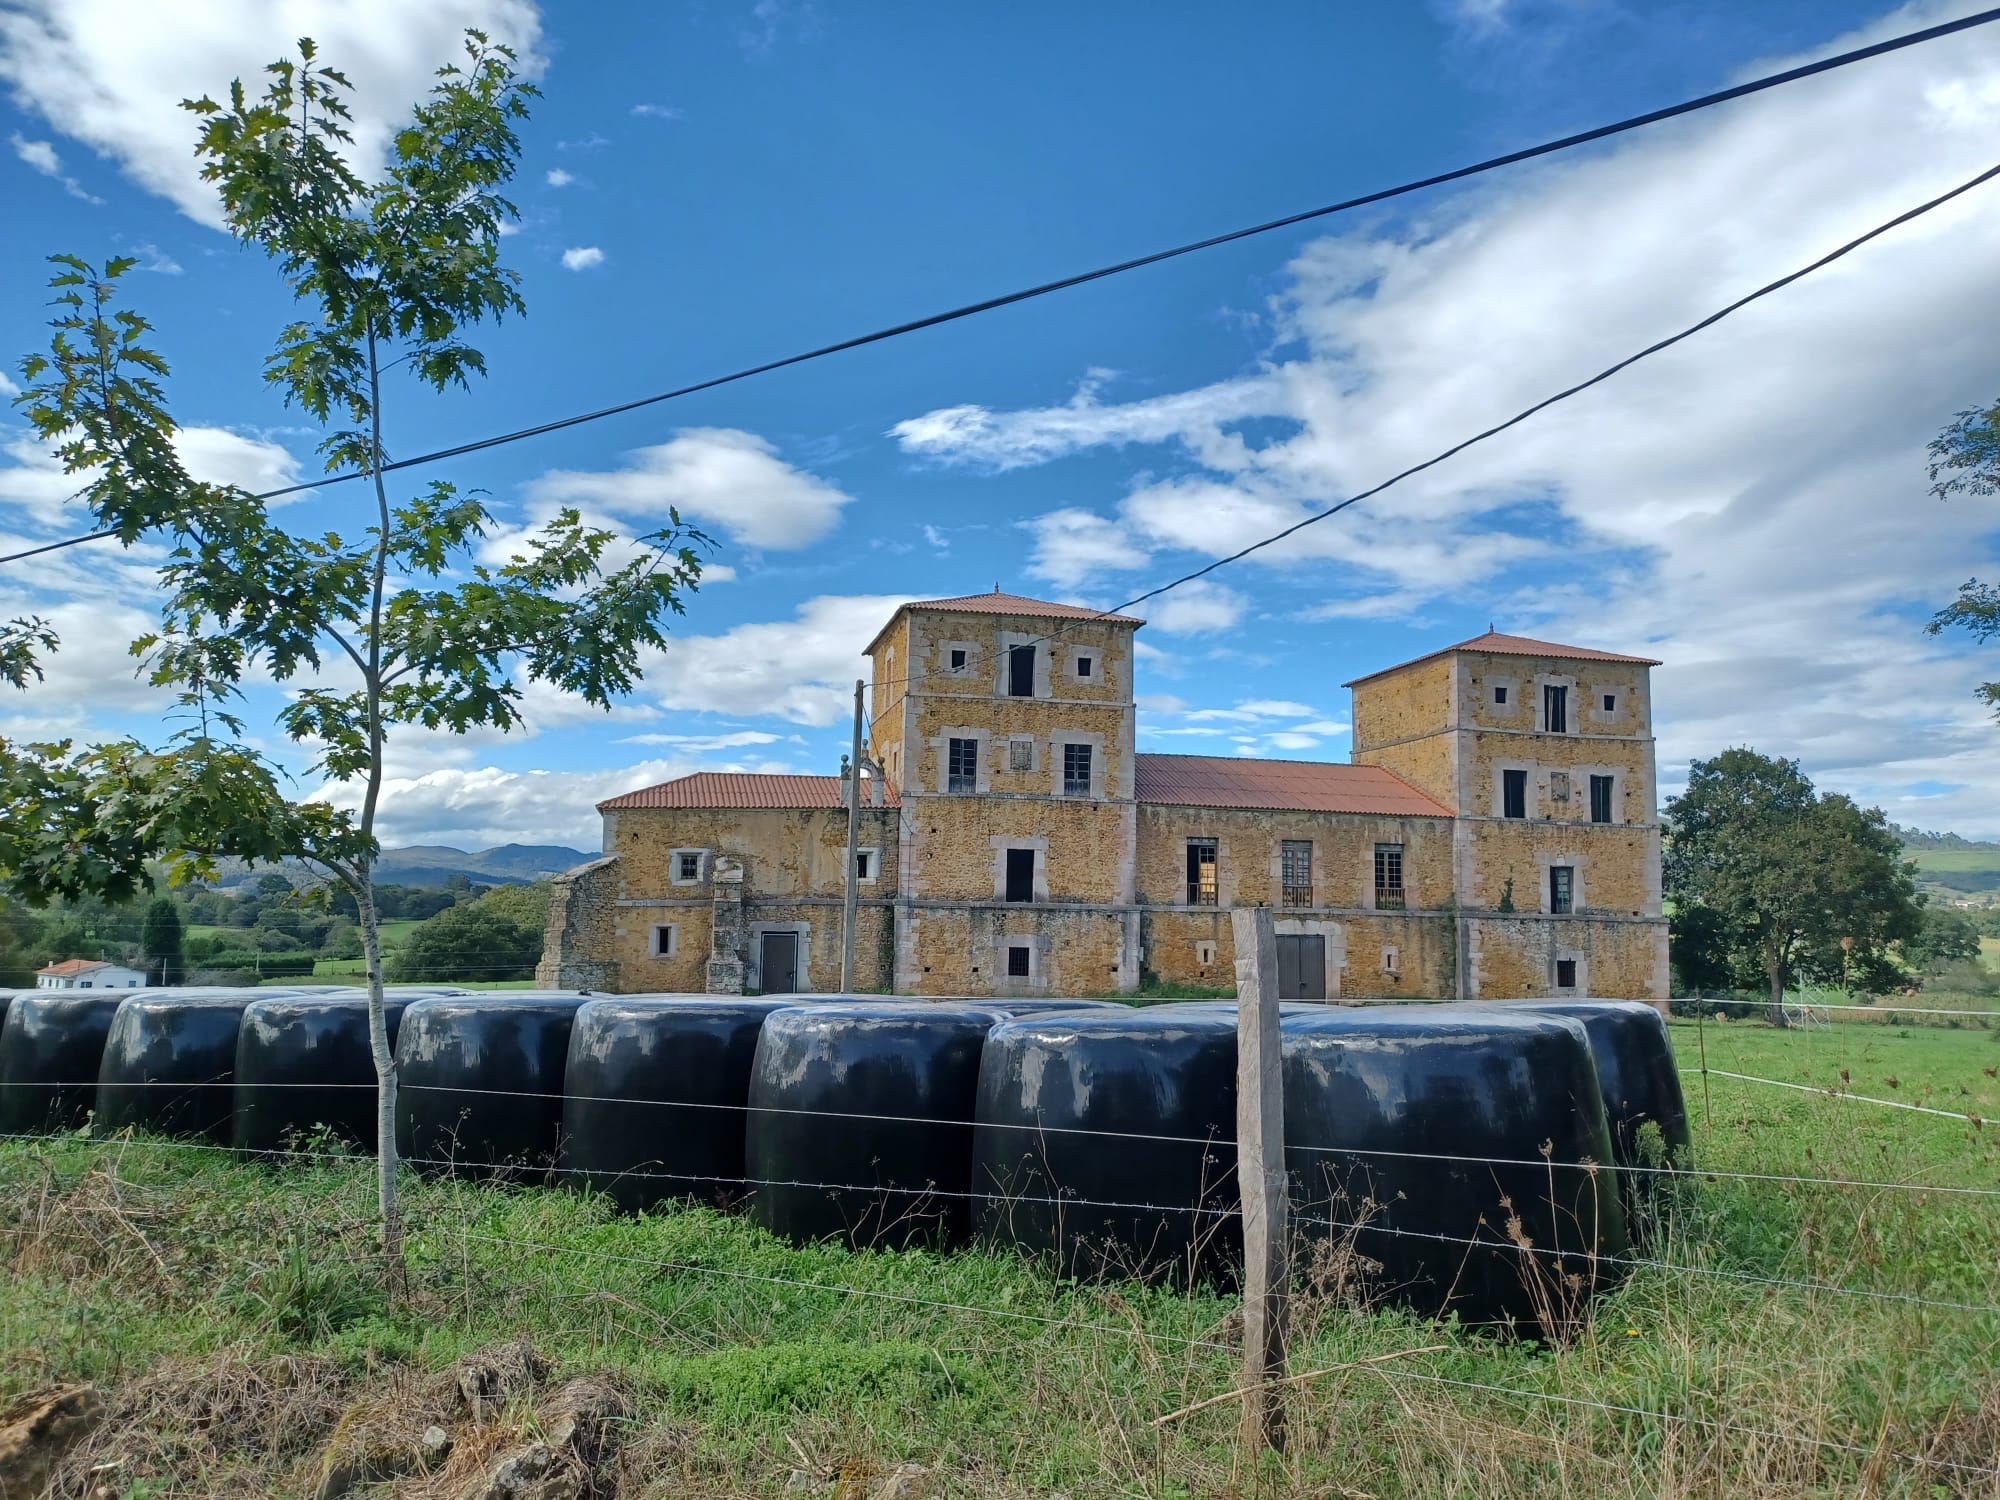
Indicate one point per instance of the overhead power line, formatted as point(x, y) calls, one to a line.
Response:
point(1519, 417)
point(1117, 268)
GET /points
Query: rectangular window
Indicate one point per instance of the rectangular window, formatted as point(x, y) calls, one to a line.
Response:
point(1565, 973)
point(1019, 956)
point(1562, 889)
point(1201, 882)
point(962, 767)
point(1611, 703)
point(1392, 961)
point(663, 940)
point(864, 864)
point(958, 659)
point(1295, 871)
point(1020, 755)
point(1600, 799)
point(1020, 671)
point(1020, 875)
point(1076, 770)
point(687, 867)
point(1513, 794)
point(1555, 709)
point(1500, 695)
point(1389, 876)
point(1085, 666)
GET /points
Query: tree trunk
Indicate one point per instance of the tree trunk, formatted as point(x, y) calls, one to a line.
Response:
point(1774, 969)
point(385, 1076)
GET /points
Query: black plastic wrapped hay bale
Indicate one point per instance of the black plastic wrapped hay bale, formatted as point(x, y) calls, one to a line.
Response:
point(1637, 1072)
point(860, 1121)
point(1642, 1088)
point(480, 1081)
point(1048, 1007)
point(654, 1097)
point(1106, 1141)
point(1414, 1139)
point(169, 1064)
point(50, 1049)
point(303, 1064)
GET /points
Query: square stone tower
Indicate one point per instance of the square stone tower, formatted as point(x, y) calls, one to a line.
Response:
point(1545, 753)
point(1006, 727)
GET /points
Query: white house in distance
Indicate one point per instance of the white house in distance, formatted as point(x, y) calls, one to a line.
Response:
point(88, 974)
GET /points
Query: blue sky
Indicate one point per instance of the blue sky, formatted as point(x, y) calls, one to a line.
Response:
point(710, 185)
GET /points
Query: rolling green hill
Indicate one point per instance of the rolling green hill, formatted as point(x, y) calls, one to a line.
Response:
point(1967, 872)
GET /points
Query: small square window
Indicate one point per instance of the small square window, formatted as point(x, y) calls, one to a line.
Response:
point(1018, 960)
point(662, 945)
point(864, 864)
point(1204, 952)
point(1392, 961)
point(1020, 755)
point(1565, 973)
point(958, 658)
point(1610, 703)
point(1499, 695)
point(1085, 666)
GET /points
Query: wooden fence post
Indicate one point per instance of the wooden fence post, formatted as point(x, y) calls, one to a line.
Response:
point(1260, 1174)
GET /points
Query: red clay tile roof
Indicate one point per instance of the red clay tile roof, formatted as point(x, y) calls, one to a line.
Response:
point(1280, 786)
point(739, 789)
point(1501, 644)
point(72, 966)
point(997, 603)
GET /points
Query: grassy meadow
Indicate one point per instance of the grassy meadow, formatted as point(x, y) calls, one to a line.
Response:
point(192, 1284)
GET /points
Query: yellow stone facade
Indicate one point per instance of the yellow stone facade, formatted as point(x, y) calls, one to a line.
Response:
point(1013, 846)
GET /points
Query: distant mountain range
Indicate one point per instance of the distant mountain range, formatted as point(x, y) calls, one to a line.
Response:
point(435, 864)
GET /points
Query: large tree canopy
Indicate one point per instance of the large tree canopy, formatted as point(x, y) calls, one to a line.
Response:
point(1770, 878)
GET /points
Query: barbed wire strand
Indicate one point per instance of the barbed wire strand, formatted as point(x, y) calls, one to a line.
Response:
point(1661, 1169)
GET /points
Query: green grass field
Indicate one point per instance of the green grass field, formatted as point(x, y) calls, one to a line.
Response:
point(757, 1368)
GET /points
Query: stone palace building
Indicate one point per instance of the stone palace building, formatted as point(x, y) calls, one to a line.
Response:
point(1495, 835)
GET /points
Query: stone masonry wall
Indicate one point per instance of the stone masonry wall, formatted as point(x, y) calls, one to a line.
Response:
point(1377, 955)
point(1514, 957)
point(961, 950)
point(1248, 867)
point(578, 950)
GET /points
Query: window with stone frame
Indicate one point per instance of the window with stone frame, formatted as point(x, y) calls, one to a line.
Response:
point(663, 940)
point(962, 766)
point(1562, 889)
point(1020, 960)
point(1600, 798)
point(1076, 770)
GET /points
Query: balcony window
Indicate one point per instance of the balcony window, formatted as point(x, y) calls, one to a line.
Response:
point(1202, 886)
point(1076, 770)
point(1389, 877)
point(1295, 867)
point(1562, 889)
point(962, 766)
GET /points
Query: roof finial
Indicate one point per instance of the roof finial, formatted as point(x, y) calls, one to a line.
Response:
point(996, 585)
point(1489, 628)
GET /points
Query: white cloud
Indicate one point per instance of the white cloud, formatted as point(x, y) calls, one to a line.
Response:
point(1749, 506)
point(7, 386)
point(695, 744)
point(658, 111)
point(152, 258)
point(582, 257)
point(722, 477)
point(1256, 709)
point(1196, 608)
point(802, 669)
point(1072, 546)
point(936, 538)
point(558, 178)
point(32, 480)
point(112, 73)
point(474, 807)
point(41, 155)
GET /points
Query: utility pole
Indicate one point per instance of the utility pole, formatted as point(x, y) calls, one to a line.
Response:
point(1260, 1174)
point(853, 850)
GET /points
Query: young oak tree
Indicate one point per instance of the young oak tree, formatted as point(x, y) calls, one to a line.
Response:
point(389, 622)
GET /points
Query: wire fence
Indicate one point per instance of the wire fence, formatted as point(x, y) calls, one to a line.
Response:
point(1213, 1208)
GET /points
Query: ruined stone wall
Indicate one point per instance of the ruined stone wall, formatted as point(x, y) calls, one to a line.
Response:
point(578, 944)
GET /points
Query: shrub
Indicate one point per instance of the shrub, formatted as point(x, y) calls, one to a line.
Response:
point(468, 942)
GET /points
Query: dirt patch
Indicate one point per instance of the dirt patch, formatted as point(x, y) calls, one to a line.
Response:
point(214, 1418)
point(36, 1433)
